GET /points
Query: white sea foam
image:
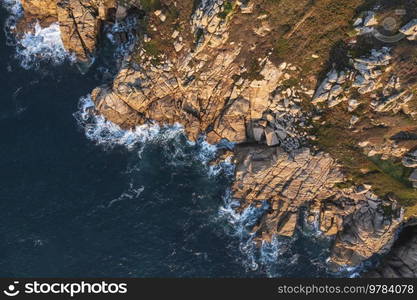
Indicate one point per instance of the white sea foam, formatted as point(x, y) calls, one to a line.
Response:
point(108, 134)
point(274, 257)
point(241, 225)
point(172, 138)
point(42, 44)
point(14, 7)
point(127, 29)
point(226, 167)
point(132, 192)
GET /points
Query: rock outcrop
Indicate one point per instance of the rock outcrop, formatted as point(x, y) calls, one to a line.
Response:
point(410, 30)
point(39, 8)
point(366, 226)
point(79, 21)
point(204, 79)
point(203, 89)
point(363, 224)
point(207, 90)
point(80, 24)
point(401, 261)
point(287, 181)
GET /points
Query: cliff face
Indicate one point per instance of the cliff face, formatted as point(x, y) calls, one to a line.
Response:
point(241, 71)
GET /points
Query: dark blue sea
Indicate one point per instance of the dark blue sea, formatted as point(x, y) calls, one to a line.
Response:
point(80, 197)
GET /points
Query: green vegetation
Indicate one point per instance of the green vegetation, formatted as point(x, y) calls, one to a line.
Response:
point(227, 9)
point(147, 5)
point(150, 5)
point(394, 169)
point(303, 28)
point(153, 50)
point(281, 48)
point(253, 72)
point(172, 14)
point(289, 83)
point(385, 176)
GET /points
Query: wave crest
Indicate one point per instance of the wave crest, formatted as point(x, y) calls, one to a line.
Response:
point(42, 44)
point(109, 135)
point(15, 9)
point(172, 138)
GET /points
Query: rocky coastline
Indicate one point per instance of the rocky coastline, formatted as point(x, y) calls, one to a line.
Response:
point(314, 124)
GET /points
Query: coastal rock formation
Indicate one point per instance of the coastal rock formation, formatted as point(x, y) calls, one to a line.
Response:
point(200, 73)
point(363, 223)
point(80, 24)
point(207, 91)
point(204, 90)
point(39, 8)
point(410, 30)
point(369, 226)
point(79, 21)
point(401, 261)
point(37, 11)
point(287, 181)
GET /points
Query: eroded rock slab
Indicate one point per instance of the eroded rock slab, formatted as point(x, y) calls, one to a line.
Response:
point(287, 181)
point(368, 227)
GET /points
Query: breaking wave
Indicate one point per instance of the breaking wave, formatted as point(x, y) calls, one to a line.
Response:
point(266, 257)
point(14, 7)
point(172, 138)
point(132, 192)
point(240, 227)
point(225, 167)
point(304, 253)
point(122, 34)
point(109, 135)
point(41, 44)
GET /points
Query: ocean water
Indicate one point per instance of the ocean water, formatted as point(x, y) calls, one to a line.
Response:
point(81, 197)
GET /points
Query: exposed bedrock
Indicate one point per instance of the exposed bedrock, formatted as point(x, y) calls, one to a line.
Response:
point(204, 83)
point(362, 223)
point(80, 21)
point(369, 227)
point(401, 261)
point(204, 98)
point(200, 88)
point(286, 181)
point(205, 90)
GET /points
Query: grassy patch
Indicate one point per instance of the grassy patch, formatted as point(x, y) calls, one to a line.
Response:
point(289, 83)
point(147, 5)
point(151, 48)
point(394, 169)
point(150, 5)
point(227, 9)
point(385, 176)
point(281, 48)
point(254, 71)
point(311, 27)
